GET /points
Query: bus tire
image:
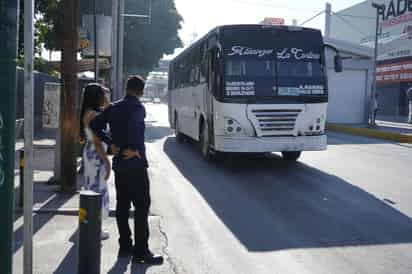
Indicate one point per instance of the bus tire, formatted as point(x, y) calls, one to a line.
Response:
point(179, 136)
point(291, 155)
point(204, 141)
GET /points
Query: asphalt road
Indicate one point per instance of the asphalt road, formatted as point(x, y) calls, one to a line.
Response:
point(344, 210)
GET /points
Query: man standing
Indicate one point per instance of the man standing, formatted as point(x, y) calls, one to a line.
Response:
point(126, 139)
point(409, 96)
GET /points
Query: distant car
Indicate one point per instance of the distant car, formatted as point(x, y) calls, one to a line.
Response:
point(156, 100)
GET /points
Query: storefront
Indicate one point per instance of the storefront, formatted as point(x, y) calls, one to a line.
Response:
point(394, 71)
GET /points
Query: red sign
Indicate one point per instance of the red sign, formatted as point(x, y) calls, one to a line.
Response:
point(273, 21)
point(394, 73)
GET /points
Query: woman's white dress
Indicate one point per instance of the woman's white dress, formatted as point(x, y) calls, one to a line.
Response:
point(95, 172)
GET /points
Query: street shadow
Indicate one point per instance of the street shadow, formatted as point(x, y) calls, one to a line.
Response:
point(69, 263)
point(271, 204)
point(40, 220)
point(42, 193)
point(139, 268)
point(121, 267)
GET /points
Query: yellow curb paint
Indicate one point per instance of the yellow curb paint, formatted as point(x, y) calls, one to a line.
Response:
point(373, 133)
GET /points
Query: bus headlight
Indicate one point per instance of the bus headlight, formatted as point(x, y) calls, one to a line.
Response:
point(232, 126)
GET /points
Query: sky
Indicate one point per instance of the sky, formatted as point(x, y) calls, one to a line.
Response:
point(202, 16)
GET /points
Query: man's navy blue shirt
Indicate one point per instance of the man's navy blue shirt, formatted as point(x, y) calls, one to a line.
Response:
point(127, 131)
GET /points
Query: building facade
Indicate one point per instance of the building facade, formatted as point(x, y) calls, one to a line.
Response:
point(357, 25)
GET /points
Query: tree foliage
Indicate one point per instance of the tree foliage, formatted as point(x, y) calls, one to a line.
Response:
point(145, 44)
point(47, 31)
point(48, 25)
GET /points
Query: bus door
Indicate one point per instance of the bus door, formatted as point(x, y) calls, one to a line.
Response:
point(211, 88)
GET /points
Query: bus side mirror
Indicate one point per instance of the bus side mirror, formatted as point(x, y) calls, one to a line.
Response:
point(338, 63)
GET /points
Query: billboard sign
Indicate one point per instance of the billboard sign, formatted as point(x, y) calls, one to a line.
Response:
point(394, 72)
point(395, 42)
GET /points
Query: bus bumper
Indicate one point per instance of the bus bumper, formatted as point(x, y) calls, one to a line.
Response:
point(270, 144)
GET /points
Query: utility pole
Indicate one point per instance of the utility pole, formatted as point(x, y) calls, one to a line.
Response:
point(69, 117)
point(115, 23)
point(328, 15)
point(8, 51)
point(120, 50)
point(96, 43)
point(28, 135)
point(378, 8)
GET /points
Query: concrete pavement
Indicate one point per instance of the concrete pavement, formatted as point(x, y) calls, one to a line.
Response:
point(55, 225)
point(344, 210)
point(55, 247)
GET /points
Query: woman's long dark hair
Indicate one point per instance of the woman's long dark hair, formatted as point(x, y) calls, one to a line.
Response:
point(93, 99)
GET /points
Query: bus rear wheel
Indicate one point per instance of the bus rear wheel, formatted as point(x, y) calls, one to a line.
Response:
point(291, 155)
point(179, 136)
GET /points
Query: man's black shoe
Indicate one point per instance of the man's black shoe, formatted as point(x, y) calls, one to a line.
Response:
point(125, 252)
point(148, 258)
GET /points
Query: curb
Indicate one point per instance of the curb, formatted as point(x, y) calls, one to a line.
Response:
point(69, 212)
point(373, 133)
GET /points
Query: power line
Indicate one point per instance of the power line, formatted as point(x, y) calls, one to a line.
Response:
point(313, 17)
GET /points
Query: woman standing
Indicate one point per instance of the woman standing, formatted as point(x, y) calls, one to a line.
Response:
point(95, 160)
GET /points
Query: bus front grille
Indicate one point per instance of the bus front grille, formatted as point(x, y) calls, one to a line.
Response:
point(274, 122)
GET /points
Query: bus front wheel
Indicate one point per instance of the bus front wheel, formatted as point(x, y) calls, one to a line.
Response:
point(204, 142)
point(179, 136)
point(291, 155)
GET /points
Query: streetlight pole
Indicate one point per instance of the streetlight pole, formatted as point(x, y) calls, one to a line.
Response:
point(28, 134)
point(378, 8)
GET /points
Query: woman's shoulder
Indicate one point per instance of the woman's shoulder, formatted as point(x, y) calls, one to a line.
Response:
point(89, 115)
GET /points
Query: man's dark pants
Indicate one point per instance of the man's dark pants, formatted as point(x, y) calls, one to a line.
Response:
point(132, 186)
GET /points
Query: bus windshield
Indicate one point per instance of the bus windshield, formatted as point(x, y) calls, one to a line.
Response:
point(296, 78)
point(264, 78)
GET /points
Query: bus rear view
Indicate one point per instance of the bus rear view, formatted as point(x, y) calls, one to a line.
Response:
point(264, 90)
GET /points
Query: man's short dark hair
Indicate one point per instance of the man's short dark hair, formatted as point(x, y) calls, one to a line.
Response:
point(135, 84)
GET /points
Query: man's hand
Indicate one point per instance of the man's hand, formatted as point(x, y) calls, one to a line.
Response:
point(114, 149)
point(130, 154)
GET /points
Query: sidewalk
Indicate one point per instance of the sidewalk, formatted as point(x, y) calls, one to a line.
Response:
point(55, 224)
point(403, 119)
point(392, 131)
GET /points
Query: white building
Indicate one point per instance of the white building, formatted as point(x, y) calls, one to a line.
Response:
point(349, 91)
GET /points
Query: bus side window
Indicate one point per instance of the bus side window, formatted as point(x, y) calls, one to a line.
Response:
point(211, 71)
point(203, 72)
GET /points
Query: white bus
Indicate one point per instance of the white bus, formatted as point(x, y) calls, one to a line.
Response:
point(252, 88)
